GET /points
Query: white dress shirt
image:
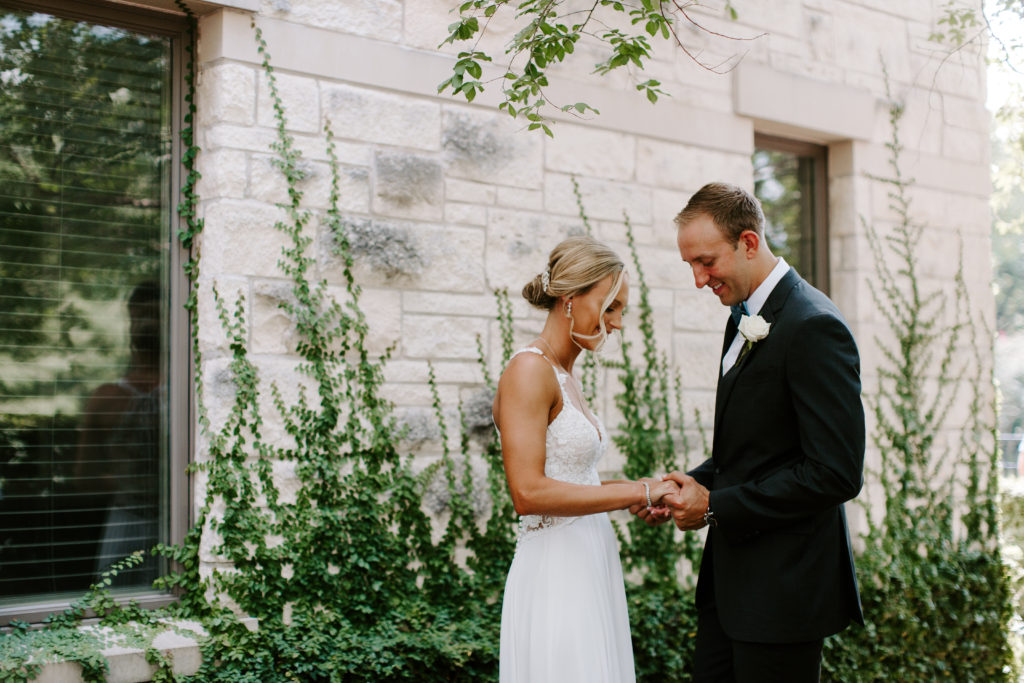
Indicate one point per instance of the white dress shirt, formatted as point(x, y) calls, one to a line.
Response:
point(754, 305)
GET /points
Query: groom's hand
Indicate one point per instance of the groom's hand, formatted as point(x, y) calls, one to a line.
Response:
point(689, 504)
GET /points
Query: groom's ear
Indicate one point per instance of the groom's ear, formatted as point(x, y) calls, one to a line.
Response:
point(751, 243)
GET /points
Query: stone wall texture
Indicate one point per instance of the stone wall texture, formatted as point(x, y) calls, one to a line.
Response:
point(447, 201)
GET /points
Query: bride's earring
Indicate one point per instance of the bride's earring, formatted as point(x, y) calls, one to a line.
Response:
point(569, 309)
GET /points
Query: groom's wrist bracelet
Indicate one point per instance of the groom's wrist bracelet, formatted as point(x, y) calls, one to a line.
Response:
point(647, 492)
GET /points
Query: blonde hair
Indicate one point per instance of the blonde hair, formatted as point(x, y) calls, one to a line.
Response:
point(575, 265)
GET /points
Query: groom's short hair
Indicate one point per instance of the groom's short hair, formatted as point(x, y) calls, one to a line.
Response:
point(733, 210)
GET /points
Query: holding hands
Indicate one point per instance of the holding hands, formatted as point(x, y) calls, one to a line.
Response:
point(680, 497)
point(660, 490)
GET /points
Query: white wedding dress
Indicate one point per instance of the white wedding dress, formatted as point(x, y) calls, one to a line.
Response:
point(564, 616)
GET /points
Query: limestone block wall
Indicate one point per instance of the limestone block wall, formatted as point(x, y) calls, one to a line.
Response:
point(446, 201)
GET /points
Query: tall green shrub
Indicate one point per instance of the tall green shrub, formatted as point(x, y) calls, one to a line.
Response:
point(345, 577)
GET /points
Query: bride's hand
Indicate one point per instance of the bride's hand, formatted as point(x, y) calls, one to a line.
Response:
point(660, 490)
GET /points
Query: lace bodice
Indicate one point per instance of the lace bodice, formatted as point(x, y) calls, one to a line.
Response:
point(573, 448)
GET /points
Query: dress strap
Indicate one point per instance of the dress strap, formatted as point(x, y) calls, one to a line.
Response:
point(559, 373)
point(531, 349)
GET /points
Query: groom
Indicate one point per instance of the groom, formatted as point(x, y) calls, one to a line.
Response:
point(777, 574)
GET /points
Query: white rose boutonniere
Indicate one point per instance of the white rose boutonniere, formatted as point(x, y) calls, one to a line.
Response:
point(754, 328)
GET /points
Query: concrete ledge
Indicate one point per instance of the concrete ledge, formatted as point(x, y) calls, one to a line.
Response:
point(790, 105)
point(128, 664)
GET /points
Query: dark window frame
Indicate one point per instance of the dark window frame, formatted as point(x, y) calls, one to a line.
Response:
point(819, 231)
point(174, 26)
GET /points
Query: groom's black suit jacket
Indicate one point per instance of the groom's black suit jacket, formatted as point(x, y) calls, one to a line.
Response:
point(788, 452)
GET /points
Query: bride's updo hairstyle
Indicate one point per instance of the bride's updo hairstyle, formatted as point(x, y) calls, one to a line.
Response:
point(574, 267)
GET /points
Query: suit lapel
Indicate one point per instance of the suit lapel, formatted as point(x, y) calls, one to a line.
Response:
point(730, 332)
point(720, 393)
point(770, 312)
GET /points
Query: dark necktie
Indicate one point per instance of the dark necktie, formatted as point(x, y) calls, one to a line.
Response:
point(737, 312)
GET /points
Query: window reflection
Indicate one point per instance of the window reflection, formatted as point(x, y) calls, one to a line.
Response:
point(118, 454)
point(84, 229)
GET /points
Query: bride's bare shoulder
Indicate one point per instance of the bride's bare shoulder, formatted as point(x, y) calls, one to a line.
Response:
point(527, 387)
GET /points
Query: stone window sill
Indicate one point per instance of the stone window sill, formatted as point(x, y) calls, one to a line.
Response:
point(129, 665)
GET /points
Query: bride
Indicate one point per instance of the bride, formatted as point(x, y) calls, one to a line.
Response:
point(564, 613)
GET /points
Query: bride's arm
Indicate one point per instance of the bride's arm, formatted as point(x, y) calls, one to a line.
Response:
point(656, 484)
point(527, 392)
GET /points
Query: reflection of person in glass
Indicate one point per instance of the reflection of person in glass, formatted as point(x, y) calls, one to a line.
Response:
point(119, 444)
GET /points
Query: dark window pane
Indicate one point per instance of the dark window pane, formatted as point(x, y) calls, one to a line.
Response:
point(789, 180)
point(84, 229)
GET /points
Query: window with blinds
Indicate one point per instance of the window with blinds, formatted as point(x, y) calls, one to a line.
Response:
point(85, 236)
point(791, 181)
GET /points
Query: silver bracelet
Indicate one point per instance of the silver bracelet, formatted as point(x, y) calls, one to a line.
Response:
point(647, 492)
